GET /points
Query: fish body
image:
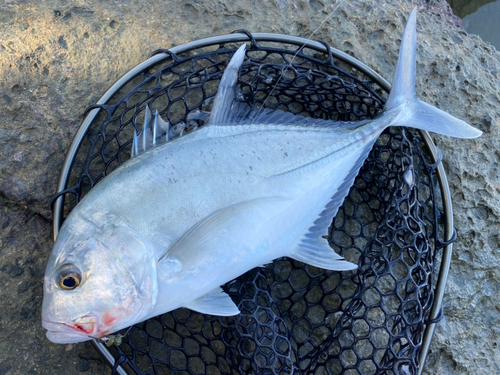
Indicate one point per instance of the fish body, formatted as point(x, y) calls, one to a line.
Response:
point(175, 222)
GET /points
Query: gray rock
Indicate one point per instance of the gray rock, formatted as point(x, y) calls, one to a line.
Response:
point(83, 365)
point(12, 270)
point(443, 10)
point(57, 58)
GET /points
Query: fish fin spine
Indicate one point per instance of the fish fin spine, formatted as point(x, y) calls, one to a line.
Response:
point(156, 131)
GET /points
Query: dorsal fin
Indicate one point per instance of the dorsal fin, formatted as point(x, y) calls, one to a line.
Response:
point(226, 93)
point(157, 131)
point(228, 108)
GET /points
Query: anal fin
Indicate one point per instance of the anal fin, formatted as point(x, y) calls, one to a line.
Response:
point(216, 302)
point(325, 218)
point(313, 248)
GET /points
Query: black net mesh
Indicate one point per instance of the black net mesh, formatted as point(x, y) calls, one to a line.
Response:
point(294, 318)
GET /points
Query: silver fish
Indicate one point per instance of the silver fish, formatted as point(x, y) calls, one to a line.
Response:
point(172, 224)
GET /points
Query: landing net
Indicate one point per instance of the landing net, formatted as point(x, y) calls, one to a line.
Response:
point(294, 318)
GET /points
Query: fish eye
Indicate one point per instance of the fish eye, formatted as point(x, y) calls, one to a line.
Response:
point(69, 277)
point(69, 282)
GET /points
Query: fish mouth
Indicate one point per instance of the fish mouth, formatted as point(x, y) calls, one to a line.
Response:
point(80, 329)
point(65, 337)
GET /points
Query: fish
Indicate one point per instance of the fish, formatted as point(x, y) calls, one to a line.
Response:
point(181, 218)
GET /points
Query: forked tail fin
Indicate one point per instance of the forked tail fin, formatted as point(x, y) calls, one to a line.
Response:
point(414, 113)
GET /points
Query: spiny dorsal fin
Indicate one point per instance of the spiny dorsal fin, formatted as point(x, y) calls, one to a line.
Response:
point(157, 131)
point(151, 135)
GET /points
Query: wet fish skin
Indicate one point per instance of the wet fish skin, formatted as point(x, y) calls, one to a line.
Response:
point(171, 225)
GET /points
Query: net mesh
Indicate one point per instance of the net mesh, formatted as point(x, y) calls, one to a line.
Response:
point(294, 318)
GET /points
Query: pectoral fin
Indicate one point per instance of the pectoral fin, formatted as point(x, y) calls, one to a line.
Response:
point(216, 302)
point(216, 229)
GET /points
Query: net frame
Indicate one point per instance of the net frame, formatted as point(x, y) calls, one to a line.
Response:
point(348, 63)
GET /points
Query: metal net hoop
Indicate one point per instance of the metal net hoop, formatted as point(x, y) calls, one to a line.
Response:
point(395, 224)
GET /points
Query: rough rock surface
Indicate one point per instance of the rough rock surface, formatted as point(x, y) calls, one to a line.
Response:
point(442, 9)
point(58, 57)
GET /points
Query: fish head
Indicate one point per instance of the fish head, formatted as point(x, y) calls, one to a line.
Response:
point(101, 277)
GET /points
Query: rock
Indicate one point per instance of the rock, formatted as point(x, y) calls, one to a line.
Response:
point(83, 365)
point(24, 246)
point(443, 10)
point(56, 59)
point(12, 269)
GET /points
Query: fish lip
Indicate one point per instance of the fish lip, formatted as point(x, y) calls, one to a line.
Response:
point(85, 328)
point(82, 326)
point(52, 326)
point(66, 337)
point(60, 333)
